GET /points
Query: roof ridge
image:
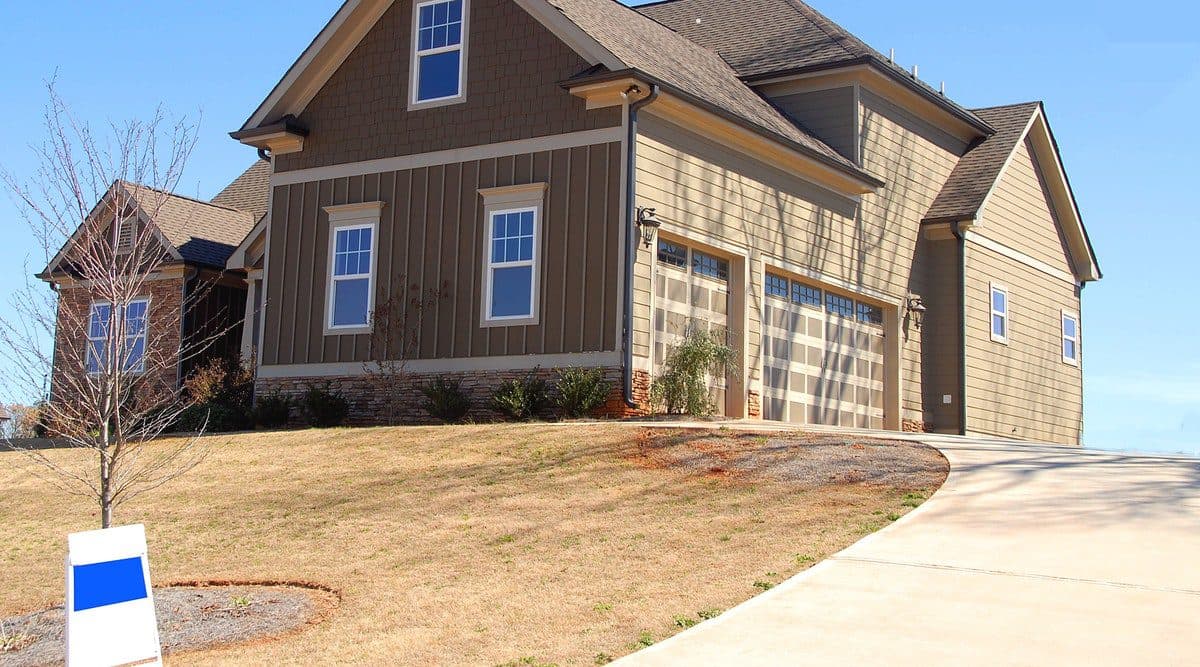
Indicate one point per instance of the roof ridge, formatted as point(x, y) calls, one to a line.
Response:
point(825, 24)
point(176, 195)
point(1014, 105)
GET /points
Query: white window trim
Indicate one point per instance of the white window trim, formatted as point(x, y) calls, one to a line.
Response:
point(345, 217)
point(1077, 339)
point(414, 61)
point(992, 313)
point(513, 199)
point(87, 352)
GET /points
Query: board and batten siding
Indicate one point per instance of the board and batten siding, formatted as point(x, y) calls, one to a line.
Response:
point(1019, 214)
point(829, 114)
point(1021, 389)
point(431, 236)
point(915, 159)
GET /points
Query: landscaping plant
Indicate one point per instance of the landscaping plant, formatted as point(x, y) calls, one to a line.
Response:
point(445, 400)
point(682, 387)
point(272, 410)
point(580, 391)
point(521, 400)
point(323, 407)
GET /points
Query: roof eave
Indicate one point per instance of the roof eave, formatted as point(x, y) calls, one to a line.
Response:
point(862, 177)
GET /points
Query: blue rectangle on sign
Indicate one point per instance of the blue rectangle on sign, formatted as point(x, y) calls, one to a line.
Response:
point(103, 584)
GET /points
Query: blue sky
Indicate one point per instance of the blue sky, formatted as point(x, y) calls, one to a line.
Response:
point(1120, 83)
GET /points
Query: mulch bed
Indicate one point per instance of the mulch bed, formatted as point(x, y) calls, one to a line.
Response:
point(190, 617)
point(806, 460)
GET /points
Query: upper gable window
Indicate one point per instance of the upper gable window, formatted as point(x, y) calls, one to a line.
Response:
point(439, 38)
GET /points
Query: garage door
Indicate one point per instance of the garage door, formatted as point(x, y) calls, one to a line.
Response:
point(822, 356)
point(691, 289)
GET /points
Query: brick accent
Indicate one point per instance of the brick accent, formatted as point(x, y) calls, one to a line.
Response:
point(70, 336)
point(367, 408)
point(616, 408)
point(914, 426)
point(754, 405)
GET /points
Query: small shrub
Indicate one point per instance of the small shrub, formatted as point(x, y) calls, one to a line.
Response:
point(682, 387)
point(272, 410)
point(580, 390)
point(764, 585)
point(221, 391)
point(708, 614)
point(445, 400)
point(521, 400)
point(323, 407)
point(603, 658)
point(644, 639)
point(684, 622)
point(213, 418)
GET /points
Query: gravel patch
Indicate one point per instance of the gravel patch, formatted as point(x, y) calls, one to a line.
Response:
point(189, 618)
point(803, 459)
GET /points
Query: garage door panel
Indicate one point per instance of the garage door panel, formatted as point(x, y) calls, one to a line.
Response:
point(822, 356)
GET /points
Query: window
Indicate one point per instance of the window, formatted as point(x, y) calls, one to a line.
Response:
point(438, 56)
point(672, 254)
point(999, 314)
point(805, 295)
point(1070, 338)
point(511, 268)
point(512, 255)
point(777, 286)
point(704, 264)
point(352, 247)
point(869, 314)
point(839, 305)
point(133, 349)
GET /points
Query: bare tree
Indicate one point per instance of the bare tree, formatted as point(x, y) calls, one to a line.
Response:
point(113, 358)
point(395, 339)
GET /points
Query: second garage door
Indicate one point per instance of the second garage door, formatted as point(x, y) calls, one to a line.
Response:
point(822, 356)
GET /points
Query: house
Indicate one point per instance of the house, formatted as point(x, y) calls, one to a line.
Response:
point(187, 310)
point(582, 181)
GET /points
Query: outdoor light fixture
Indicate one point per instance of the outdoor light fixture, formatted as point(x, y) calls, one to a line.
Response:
point(916, 310)
point(648, 224)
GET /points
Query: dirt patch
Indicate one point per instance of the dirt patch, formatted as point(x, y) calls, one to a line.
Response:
point(190, 617)
point(806, 460)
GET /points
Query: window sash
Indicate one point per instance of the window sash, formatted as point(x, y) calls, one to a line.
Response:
point(998, 317)
point(419, 54)
point(493, 266)
point(335, 278)
point(134, 327)
point(1071, 340)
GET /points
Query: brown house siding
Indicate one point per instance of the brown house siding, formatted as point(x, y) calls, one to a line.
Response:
point(514, 66)
point(1021, 389)
point(430, 235)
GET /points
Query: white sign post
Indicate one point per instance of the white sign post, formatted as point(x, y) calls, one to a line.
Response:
point(110, 605)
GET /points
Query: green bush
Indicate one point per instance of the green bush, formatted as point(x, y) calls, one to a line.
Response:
point(323, 407)
point(521, 400)
point(580, 390)
point(445, 400)
point(682, 387)
point(272, 410)
point(213, 418)
point(221, 390)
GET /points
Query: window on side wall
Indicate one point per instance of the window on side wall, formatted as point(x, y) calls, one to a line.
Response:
point(512, 260)
point(999, 311)
point(133, 329)
point(438, 58)
point(353, 244)
point(1070, 338)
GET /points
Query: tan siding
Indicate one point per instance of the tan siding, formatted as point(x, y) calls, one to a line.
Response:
point(430, 235)
point(1019, 213)
point(514, 66)
point(828, 114)
point(915, 159)
point(940, 332)
point(1022, 389)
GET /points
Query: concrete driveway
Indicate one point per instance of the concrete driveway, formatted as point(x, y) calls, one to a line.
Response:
point(1029, 555)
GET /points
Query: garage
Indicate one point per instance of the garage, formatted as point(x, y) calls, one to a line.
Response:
point(823, 356)
point(691, 289)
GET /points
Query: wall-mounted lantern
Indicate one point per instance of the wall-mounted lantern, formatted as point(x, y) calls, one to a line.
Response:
point(916, 311)
point(648, 224)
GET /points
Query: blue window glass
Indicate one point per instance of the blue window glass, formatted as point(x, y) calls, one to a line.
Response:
point(672, 254)
point(706, 265)
point(352, 248)
point(512, 291)
point(135, 336)
point(512, 263)
point(97, 348)
point(805, 295)
point(839, 305)
point(439, 37)
point(869, 314)
point(777, 286)
point(133, 348)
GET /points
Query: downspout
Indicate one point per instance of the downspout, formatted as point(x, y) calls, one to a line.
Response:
point(961, 237)
point(631, 238)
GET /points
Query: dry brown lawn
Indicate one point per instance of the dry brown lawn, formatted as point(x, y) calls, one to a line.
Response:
point(483, 545)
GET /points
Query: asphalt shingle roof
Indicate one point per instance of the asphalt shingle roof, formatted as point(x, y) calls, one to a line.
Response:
point(646, 45)
point(203, 233)
point(963, 194)
point(249, 192)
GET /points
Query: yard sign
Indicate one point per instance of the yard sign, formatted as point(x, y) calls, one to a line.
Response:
point(110, 606)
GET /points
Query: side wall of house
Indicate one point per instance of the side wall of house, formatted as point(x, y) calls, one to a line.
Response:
point(431, 237)
point(938, 264)
point(514, 67)
point(829, 114)
point(213, 319)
